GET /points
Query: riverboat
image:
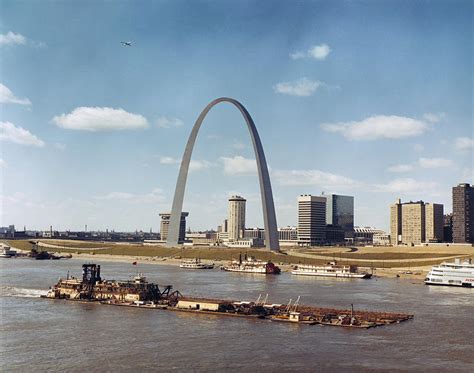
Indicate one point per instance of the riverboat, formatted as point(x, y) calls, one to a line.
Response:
point(332, 269)
point(195, 263)
point(252, 265)
point(452, 274)
point(6, 252)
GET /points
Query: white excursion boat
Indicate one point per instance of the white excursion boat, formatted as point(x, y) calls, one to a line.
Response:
point(332, 269)
point(452, 274)
point(195, 263)
point(6, 252)
point(252, 265)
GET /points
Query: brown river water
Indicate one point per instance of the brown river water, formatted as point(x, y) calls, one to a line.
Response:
point(59, 336)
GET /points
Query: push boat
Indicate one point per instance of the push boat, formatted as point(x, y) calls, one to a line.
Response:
point(452, 274)
point(252, 265)
point(195, 263)
point(332, 269)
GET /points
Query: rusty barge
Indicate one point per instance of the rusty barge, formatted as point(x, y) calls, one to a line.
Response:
point(141, 294)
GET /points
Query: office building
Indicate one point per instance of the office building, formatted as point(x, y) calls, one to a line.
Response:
point(340, 213)
point(236, 221)
point(164, 226)
point(448, 228)
point(311, 219)
point(463, 213)
point(396, 223)
point(434, 222)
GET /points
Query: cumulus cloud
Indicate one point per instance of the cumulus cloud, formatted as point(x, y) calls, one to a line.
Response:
point(156, 195)
point(239, 165)
point(407, 186)
point(303, 87)
point(318, 52)
point(315, 178)
point(378, 127)
point(434, 162)
point(464, 143)
point(401, 168)
point(7, 97)
point(10, 38)
point(2, 163)
point(434, 118)
point(165, 122)
point(169, 160)
point(196, 165)
point(100, 119)
point(18, 135)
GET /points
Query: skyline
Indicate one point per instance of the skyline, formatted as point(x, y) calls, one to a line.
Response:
point(363, 99)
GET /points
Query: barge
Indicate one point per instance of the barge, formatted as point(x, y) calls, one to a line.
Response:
point(141, 294)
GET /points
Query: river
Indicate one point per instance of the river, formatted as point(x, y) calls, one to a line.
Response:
point(51, 335)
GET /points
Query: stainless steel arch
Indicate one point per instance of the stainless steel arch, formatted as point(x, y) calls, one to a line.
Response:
point(269, 218)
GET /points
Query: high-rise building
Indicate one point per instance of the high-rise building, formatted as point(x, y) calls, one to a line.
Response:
point(434, 222)
point(448, 228)
point(311, 219)
point(413, 223)
point(463, 213)
point(165, 222)
point(396, 222)
point(236, 221)
point(340, 213)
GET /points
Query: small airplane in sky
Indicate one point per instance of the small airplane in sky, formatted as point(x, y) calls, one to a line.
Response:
point(126, 43)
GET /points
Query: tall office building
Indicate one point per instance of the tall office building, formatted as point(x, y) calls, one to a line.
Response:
point(396, 222)
point(340, 213)
point(434, 222)
point(463, 213)
point(311, 219)
point(448, 228)
point(236, 221)
point(165, 222)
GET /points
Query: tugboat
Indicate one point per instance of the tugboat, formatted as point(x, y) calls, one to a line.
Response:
point(195, 263)
point(252, 265)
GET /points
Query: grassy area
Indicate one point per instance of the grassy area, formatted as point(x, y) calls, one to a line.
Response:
point(369, 258)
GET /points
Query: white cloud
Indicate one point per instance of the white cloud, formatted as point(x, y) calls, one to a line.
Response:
point(169, 160)
point(7, 97)
point(314, 177)
point(156, 195)
point(401, 168)
point(2, 163)
point(318, 52)
point(434, 118)
point(164, 122)
point(100, 119)
point(407, 186)
point(199, 165)
point(238, 145)
point(464, 143)
point(239, 165)
point(18, 135)
point(377, 127)
point(434, 162)
point(11, 38)
point(302, 87)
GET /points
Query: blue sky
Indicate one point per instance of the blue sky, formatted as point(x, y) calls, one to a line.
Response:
point(370, 99)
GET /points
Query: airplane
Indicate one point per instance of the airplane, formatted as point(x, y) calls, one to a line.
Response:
point(126, 43)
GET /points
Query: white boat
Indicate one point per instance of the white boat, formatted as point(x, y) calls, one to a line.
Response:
point(332, 269)
point(252, 265)
point(6, 252)
point(195, 263)
point(452, 274)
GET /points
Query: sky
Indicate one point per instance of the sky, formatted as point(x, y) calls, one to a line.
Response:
point(363, 98)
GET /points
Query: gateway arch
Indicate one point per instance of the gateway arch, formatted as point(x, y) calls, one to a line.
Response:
point(269, 218)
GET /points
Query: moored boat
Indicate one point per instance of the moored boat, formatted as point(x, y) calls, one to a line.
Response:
point(332, 269)
point(252, 265)
point(452, 274)
point(195, 263)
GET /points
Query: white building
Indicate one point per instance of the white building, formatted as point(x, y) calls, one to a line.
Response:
point(236, 222)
